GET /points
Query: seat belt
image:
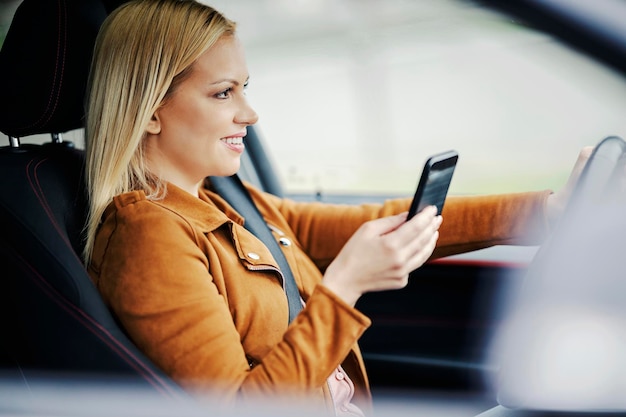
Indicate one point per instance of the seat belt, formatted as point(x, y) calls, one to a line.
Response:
point(235, 193)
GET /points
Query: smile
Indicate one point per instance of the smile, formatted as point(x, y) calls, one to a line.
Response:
point(233, 141)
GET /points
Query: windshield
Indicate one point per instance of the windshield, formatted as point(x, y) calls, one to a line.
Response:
point(353, 96)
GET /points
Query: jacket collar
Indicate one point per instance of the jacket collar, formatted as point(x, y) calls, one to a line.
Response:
point(208, 212)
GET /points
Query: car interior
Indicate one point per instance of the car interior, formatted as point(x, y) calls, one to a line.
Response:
point(53, 318)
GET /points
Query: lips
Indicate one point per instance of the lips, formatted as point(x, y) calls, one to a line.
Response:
point(234, 143)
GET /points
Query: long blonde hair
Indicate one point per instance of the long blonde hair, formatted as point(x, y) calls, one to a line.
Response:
point(144, 49)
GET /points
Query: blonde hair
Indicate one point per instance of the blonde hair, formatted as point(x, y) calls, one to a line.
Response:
point(144, 49)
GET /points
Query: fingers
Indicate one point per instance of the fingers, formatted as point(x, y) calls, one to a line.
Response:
point(581, 161)
point(411, 244)
point(585, 152)
point(423, 253)
point(385, 225)
point(557, 201)
point(382, 253)
point(409, 259)
point(423, 224)
point(421, 246)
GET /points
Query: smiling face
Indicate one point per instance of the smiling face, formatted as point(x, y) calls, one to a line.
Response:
point(198, 131)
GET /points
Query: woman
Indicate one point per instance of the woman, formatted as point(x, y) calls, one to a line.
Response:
point(200, 295)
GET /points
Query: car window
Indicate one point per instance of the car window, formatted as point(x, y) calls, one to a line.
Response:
point(353, 96)
point(7, 10)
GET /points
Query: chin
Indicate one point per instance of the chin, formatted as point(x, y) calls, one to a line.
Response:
point(227, 172)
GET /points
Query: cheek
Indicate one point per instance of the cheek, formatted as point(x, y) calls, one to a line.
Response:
point(192, 119)
point(206, 122)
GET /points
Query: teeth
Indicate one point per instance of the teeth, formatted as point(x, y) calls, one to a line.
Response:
point(233, 141)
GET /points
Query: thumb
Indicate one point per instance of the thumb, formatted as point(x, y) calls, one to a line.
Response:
point(386, 225)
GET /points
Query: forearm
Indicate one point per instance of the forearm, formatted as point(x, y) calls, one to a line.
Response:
point(324, 229)
point(315, 343)
point(476, 222)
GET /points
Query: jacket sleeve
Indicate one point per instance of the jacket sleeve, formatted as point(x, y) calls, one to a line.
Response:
point(469, 222)
point(151, 271)
point(477, 222)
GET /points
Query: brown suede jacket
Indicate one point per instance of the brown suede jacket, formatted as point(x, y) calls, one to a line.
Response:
point(202, 297)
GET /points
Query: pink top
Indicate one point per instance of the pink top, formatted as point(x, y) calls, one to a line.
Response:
point(342, 390)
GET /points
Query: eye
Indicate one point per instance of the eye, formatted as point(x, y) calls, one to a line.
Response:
point(222, 95)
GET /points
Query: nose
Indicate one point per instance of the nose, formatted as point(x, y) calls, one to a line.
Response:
point(246, 114)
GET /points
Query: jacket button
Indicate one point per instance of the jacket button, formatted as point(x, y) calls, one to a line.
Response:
point(254, 256)
point(284, 241)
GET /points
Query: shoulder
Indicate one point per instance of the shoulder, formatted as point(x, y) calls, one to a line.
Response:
point(135, 206)
point(135, 227)
point(135, 215)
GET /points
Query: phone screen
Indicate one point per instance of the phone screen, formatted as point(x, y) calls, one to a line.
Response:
point(434, 183)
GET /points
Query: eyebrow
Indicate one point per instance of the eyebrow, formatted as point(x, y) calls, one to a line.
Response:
point(230, 80)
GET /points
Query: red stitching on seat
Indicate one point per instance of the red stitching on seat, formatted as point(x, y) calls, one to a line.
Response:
point(71, 308)
point(55, 91)
point(96, 329)
point(38, 191)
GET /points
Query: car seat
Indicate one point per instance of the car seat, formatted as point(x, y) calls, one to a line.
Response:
point(52, 317)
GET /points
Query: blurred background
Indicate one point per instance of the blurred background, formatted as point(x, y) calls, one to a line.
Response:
point(354, 95)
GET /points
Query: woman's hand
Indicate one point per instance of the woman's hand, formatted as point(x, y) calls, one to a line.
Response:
point(558, 201)
point(382, 253)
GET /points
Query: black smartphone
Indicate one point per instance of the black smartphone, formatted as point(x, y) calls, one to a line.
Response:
point(434, 183)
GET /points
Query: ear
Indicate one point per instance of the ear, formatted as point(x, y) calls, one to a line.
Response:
point(154, 125)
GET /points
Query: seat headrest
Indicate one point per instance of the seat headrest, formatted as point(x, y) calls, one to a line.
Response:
point(111, 5)
point(44, 65)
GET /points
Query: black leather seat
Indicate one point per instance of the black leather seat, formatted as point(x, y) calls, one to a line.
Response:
point(52, 318)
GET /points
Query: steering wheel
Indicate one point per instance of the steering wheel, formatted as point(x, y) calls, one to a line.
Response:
point(603, 176)
point(560, 346)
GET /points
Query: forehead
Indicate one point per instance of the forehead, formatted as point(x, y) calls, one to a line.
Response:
point(225, 59)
